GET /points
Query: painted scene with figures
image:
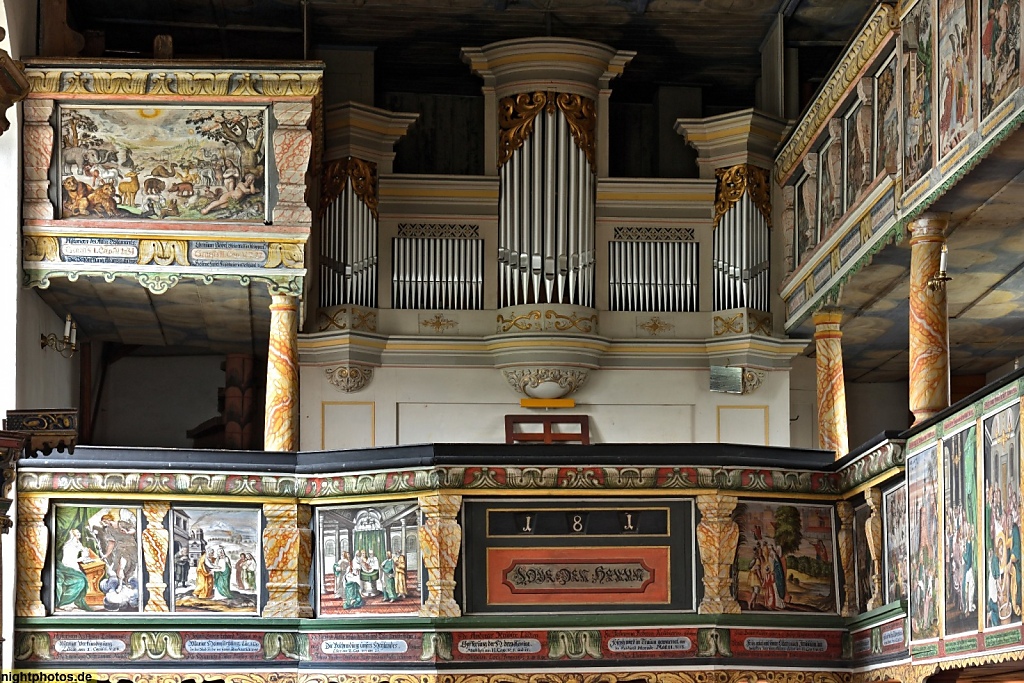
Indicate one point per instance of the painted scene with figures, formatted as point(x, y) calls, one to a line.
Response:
point(1002, 517)
point(785, 558)
point(97, 559)
point(214, 560)
point(369, 560)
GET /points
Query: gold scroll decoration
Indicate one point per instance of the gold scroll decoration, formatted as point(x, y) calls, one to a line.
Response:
point(517, 113)
point(364, 182)
point(734, 181)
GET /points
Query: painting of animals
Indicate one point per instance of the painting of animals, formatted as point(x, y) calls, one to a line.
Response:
point(170, 163)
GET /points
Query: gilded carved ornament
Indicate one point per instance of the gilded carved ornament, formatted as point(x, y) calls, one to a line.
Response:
point(163, 252)
point(40, 248)
point(733, 182)
point(336, 174)
point(141, 82)
point(284, 255)
point(349, 378)
point(516, 115)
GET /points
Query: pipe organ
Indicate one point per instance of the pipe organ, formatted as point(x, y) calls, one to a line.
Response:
point(546, 201)
point(653, 270)
point(437, 267)
point(741, 239)
point(348, 234)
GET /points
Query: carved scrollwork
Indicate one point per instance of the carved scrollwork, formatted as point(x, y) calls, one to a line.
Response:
point(163, 252)
point(516, 115)
point(40, 248)
point(526, 381)
point(363, 175)
point(350, 378)
point(734, 181)
point(752, 380)
point(581, 115)
point(284, 254)
point(526, 321)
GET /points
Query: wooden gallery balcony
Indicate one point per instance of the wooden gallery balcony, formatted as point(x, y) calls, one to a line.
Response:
point(188, 179)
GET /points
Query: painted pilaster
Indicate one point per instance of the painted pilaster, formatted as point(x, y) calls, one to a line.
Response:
point(440, 541)
point(833, 432)
point(37, 150)
point(281, 422)
point(873, 531)
point(847, 559)
point(929, 320)
point(32, 539)
point(154, 552)
point(717, 536)
point(288, 553)
point(293, 145)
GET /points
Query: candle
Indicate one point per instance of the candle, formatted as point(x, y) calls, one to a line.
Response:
point(74, 334)
point(67, 327)
point(942, 260)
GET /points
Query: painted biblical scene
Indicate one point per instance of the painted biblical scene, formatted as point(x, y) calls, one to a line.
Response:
point(1000, 52)
point(97, 559)
point(164, 164)
point(916, 36)
point(369, 560)
point(786, 558)
point(830, 176)
point(959, 462)
point(806, 216)
point(863, 556)
point(214, 561)
point(957, 31)
point(887, 107)
point(923, 487)
point(896, 582)
point(858, 152)
point(1001, 443)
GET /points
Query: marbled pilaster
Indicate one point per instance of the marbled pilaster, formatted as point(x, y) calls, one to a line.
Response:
point(36, 153)
point(154, 552)
point(833, 432)
point(281, 421)
point(288, 553)
point(440, 541)
point(32, 539)
point(929, 321)
point(717, 536)
point(293, 144)
point(847, 558)
point(873, 531)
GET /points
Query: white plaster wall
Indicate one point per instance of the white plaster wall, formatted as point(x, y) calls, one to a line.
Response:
point(153, 401)
point(45, 378)
point(420, 405)
point(18, 19)
point(803, 403)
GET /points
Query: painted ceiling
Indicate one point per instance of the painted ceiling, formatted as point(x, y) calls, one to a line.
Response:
point(986, 294)
point(714, 44)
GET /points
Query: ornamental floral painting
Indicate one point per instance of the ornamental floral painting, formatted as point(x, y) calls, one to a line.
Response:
point(960, 523)
point(923, 485)
point(1002, 559)
point(97, 559)
point(369, 560)
point(162, 163)
point(786, 558)
point(214, 560)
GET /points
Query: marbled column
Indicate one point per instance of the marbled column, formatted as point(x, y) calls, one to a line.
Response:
point(873, 531)
point(929, 321)
point(154, 552)
point(847, 558)
point(293, 144)
point(833, 434)
point(37, 150)
point(281, 429)
point(32, 539)
point(717, 536)
point(440, 542)
point(288, 553)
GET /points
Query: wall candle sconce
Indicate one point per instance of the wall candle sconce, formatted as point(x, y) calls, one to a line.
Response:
point(66, 346)
point(939, 280)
